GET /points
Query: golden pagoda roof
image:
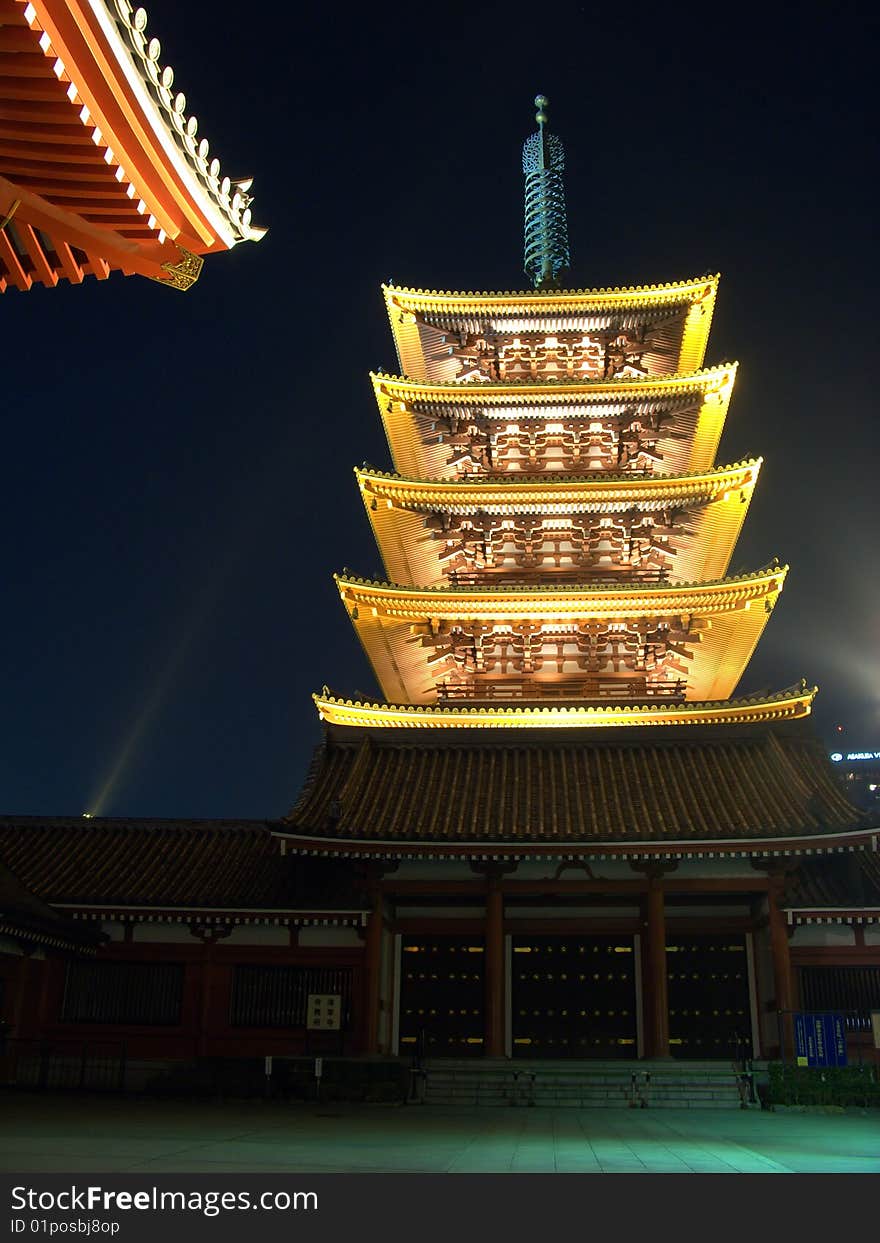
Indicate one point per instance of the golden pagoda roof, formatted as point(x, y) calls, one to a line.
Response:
point(729, 613)
point(396, 508)
point(547, 309)
point(710, 390)
point(794, 702)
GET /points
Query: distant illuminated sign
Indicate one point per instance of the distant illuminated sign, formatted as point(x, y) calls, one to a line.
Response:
point(854, 756)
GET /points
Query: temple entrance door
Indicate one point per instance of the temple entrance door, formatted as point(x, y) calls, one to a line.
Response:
point(573, 996)
point(708, 989)
point(442, 996)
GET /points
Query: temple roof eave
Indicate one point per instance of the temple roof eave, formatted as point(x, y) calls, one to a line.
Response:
point(596, 491)
point(158, 131)
point(619, 296)
point(164, 202)
point(719, 378)
point(158, 912)
point(549, 603)
point(793, 845)
point(791, 703)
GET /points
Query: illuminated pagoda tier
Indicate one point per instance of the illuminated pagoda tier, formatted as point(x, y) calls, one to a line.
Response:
point(534, 530)
point(103, 165)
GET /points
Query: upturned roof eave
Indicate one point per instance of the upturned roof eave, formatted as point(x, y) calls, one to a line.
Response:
point(720, 376)
point(432, 599)
point(598, 488)
point(792, 703)
point(687, 290)
point(832, 841)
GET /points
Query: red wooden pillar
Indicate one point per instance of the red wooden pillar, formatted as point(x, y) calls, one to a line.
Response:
point(493, 1045)
point(373, 974)
point(782, 981)
point(20, 1007)
point(657, 1001)
point(207, 982)
point(209, 972)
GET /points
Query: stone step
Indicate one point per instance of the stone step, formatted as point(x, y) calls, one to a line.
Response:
point(475, 1103)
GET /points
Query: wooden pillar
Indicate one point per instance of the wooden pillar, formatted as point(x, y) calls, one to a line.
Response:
point(20, 1010)
point(782, 982)
point(657, 1002)
point(783, 993)
point(493, 1040)
point(206, 983)
point(208, 972)
point(47, 971)
point(373, 974)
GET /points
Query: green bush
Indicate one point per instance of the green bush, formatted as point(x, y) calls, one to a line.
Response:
point(834, 1085)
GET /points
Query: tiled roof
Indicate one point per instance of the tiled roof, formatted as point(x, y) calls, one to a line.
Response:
point(221, 865)
point(23, 915)
point(652, 785)
point(847, 881)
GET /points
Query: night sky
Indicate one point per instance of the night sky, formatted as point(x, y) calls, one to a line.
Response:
point(178, 483)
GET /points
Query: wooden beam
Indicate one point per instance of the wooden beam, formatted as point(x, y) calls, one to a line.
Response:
point(715, 884)
point(104, 247)
point(99, 174)
point(52, 114)
point(9, 257)
point(51, 153)
point(46, 273)
point(26, 63)
point(40, 131)
point(32, 88)
point(16, 38)
point(390, 885)
point(71, 268)
point(80, 197)
point(99, 267)
point(597, 885)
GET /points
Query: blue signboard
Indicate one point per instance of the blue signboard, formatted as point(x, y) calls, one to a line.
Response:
point(820, 1039)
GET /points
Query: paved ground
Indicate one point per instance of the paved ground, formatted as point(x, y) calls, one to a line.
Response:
point(70, 1134)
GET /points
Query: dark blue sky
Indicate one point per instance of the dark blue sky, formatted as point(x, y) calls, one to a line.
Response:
point(179, 481)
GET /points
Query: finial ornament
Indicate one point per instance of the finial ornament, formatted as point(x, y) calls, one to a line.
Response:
point(546, 226)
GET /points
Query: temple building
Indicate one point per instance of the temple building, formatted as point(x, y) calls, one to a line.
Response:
point(102, 165)
point(559, 830)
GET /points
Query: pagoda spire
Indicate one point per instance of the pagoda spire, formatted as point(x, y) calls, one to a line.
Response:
point(546, 226)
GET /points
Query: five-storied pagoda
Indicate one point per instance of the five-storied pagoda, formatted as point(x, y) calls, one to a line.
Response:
point(559, 835)
point(574, 837)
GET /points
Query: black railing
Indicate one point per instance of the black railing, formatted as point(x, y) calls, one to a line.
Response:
point(544, 575)
point(590, 690)
point(64, 1065)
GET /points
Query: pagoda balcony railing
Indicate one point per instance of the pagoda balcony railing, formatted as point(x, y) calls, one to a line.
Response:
point(546, 577)
point(591, 689)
